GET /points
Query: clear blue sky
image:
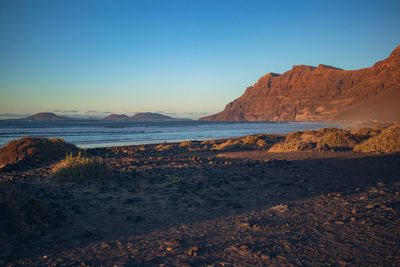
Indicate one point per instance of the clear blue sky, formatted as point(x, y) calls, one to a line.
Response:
point(178, 57)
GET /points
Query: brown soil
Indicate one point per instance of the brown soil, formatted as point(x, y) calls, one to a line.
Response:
point(177, 207)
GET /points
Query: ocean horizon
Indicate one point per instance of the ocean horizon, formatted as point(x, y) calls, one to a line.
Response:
point(91, 134)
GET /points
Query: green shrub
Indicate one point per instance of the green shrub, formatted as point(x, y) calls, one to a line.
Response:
point(388, 141)
point(35, 149)
point(80, 168)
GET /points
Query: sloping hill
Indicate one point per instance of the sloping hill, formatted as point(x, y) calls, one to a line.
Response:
point(46, 116)
point(115, 117)
point(148, 116)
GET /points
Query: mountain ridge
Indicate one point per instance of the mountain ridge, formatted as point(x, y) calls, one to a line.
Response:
point(48, 116)
point(323, 93)
point(140, 116)
point(115, 117)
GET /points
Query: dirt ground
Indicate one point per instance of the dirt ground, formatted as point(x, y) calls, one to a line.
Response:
point(205, 208)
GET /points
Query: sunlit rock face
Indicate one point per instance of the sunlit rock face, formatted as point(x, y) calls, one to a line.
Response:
point(322, 93)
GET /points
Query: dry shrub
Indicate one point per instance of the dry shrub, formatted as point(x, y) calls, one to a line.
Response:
point(261, 143)
point(294, 136)
point(207, 144)
point(80, 168)
point(339, 140)
point(361, 134)
point(162, 147)
point(185, 144)
point(21, 216)
point(247, 142)
point(35, 149)
point(316, 140)
point(228, 145)
point(251, 139)
point(388, 141)
point(368, 131)
point(292, 146)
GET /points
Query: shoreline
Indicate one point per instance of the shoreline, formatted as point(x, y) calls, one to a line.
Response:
point(105, 134)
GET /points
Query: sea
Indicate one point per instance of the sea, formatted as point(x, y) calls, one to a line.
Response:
point(90, 134)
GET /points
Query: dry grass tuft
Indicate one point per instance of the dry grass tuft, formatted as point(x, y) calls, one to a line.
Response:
point(228, 145)
point(80, 168)
point(162, 147)
point(185, 144)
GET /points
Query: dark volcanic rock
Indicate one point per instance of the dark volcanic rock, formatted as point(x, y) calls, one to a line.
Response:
point(322, 93)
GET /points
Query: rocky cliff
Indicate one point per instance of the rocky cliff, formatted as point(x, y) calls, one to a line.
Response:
point(322, 93)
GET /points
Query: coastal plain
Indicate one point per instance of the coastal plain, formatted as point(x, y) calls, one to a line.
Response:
point(187, 204)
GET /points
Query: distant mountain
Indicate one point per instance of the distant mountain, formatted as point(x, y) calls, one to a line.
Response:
point(148, 116)
point(322, 93)
point(47, 116)
point(145, 116)
point(115, 117)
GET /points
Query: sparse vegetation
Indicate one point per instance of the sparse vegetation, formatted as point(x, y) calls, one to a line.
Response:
point(208, 142)
point(388, 141)
point(373, 139)
point(247, 142)
point(294, 136)
point(162, 147)
point(317, 140)
point(80, 168)
point(21, 214)
point(185, 144)
point(229, 144)
point(35, 149)
point(368, 131)
point(338, 140)
point(171, 181)
point(292, 146)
